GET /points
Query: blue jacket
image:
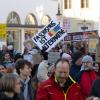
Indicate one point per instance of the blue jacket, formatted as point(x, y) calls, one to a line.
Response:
point(75, 69)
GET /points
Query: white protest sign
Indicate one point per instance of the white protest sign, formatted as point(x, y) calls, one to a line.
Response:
point(49, 36)
point(53, 57)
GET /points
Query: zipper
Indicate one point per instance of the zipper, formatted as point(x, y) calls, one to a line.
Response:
point(65, 96)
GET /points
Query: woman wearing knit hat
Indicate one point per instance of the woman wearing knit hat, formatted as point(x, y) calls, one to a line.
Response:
point(86, 76)
point(87, 63)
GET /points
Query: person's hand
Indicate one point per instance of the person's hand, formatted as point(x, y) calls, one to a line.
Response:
point(92, 98)
point(96, 98)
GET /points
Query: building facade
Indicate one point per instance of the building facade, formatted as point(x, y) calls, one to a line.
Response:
point(82, 19)
point(77, 13)
point(24, 18)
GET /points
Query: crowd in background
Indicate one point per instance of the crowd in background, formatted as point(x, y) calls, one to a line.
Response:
point(21, 79)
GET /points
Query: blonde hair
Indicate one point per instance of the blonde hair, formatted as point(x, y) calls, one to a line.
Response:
point(8, 82)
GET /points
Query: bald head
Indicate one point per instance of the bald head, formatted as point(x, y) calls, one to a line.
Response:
point(59, 62)
point(61, 71)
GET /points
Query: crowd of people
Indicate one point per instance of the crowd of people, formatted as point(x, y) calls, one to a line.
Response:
point(74, 76)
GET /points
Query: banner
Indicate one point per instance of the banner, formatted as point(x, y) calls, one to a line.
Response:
point(49, 36)
point(3, 31)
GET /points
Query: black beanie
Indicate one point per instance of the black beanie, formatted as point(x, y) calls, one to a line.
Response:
point(44, 54)
point(76, 56)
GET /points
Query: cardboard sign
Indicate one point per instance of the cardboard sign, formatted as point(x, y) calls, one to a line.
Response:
point(37, 58)
point(49, 36)
point(3, 30)
point(53, 57)
point(92, 45)
point(98, 52)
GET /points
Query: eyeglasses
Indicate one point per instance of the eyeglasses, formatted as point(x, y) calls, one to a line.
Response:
point(86, 62)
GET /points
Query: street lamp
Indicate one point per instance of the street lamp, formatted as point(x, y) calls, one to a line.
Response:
point(59, 15)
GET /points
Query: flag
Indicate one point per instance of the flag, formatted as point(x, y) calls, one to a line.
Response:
point(54, 31)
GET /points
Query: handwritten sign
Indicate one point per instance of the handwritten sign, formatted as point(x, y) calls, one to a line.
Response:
point(49, 36)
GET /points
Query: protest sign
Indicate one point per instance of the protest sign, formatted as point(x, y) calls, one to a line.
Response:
point(49, 36)
point(98, 51)
point(37, 58)
point(53, 57)
point(3, 30)
point(92, 45)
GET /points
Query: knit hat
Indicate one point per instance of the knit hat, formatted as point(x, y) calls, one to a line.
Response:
point(66, 56)
point(44, 54)
point(76, 56)
point(87, 58)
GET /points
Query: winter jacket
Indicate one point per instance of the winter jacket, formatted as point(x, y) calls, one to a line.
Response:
point(42, 73)
point(95, 91)
point(74, 70)
point(31, 91)
point(50, 90)
point(86, 78)
point(4, 97)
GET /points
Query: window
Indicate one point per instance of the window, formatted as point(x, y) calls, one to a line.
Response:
point(67, 4)
point(13, 18)
point(45, 20)
point(84, 3)
point(30, 19)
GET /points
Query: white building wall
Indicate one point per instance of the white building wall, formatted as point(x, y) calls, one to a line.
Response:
point(91, 14)
point(24, 7)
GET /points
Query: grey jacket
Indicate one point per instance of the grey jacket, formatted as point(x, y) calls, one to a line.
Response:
point(42, 71)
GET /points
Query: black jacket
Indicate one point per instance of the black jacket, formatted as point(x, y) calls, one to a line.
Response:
point(4, 97)
point(74, 70)
point(30, 90)
point(95, 91)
